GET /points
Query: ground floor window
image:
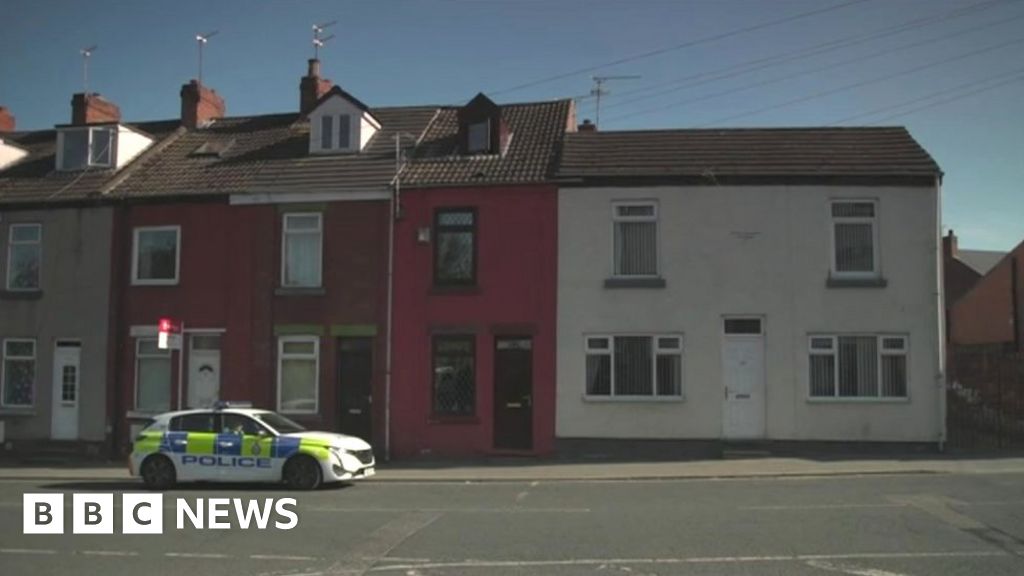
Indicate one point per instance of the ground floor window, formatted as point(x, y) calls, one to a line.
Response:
point(19, 372)
point(298, 370)
point(858, 366)
point(152, 376)
point(454, 381)
point(648, 366)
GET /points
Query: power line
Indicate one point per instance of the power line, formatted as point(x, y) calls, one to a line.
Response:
point(681, 46)
point(828, 66)
point(862, 83)
point(1012, 80)
point(771, 61)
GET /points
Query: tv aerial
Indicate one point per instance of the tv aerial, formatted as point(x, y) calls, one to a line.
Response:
point(319, 39)
point(86, 53)
point(201, 40)
point(598, 90)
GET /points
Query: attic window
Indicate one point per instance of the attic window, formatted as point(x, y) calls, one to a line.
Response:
point(85, 147)
point(213, 149)
point(335, 132)
point(479, 141)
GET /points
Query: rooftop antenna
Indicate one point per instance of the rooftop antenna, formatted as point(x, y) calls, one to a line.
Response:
point(201, 39)
point(86, 53)
point(318, 39)
point(598, 90)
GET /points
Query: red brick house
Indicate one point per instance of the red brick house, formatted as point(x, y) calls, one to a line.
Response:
point(475, 283)
point(990, 312)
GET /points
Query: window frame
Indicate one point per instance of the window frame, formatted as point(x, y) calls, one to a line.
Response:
point(11, 243)
point(315, 356)
point(875, 251)
point(486, 149)
point(462, 337)
point(339, 144)
point(474, 229)
point(138, 356)
point(284, 248)
point(656, 351)
point(3, 370)
point(655, 218)
point(327, 121)
point(834, 353)
point(89, 130)
point(136, 233)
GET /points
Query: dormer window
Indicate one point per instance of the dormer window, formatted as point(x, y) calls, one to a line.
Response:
point(335, 132)
point(82, 148)
point(340, 123)
point(479, 137)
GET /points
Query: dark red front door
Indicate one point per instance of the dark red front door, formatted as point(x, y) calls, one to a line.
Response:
point(355, 375)
point(513, 393)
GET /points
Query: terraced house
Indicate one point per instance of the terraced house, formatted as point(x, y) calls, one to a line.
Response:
point(746, 284)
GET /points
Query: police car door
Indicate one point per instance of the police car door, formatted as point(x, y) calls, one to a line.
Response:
point(190, 440)
point(245, 449)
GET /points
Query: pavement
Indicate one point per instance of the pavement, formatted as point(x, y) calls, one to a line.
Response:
point(522, 469)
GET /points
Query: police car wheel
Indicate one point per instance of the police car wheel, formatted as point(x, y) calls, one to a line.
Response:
point(303, 473)
point(158, 473)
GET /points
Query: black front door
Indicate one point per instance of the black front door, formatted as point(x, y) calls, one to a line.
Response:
point(513, 393)
point(355, 375)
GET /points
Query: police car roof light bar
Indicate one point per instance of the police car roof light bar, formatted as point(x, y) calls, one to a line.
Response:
point(222, 404)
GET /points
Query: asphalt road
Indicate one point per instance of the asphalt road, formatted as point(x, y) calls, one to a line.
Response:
point(909, 525)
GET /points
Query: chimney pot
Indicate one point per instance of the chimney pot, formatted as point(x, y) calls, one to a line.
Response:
point(199, 105)
point(91, 108)
point(6, 120)
point(312, 87)
point(587, 126)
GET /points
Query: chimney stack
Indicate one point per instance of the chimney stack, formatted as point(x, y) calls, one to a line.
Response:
point(312, 87)
point(587, 126)
point(91, 108)
point(6, 120)
point(949, 246)
point(199, 105)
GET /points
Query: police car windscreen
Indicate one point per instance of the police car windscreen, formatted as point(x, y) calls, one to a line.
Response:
point(279, 423)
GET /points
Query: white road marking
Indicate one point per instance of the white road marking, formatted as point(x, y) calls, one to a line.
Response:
point(823, 506)
point(452, 510)
point(26, 551)
point(483, 564)
point(194, 555)
point(279, 557)
point(109, 553)
point(521, 496)
point(534, 484)
point(848, 569)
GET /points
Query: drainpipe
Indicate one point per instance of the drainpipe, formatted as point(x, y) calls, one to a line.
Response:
point(940, 339)
point(392, 214)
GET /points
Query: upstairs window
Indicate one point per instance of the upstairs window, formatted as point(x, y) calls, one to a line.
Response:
point(854, 239)
point(155, 255)
point(301, 260)
point(327, 132)
point(24, 256)
point(86, 147)
point(455, 247)
point(858, 366)
point(479, 135)
point(335, 132)
point(635, 231)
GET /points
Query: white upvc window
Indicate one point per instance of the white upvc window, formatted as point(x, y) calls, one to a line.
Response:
point(24, 257)
point(156, 255)
point(86, 147)
point(635, 239)
point(298, 374)
point(858, 366)
point(18, 377)
point(301, 250)
point(152, 376)
point(634, 366)
point(335, 132)
point(854, 230)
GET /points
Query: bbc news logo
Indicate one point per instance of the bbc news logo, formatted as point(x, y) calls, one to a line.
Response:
point(94, 513)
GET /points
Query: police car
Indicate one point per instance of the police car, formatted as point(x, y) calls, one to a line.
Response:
point(235, 444)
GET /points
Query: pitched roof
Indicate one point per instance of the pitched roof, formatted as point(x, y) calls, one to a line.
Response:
point(537, 131)
point(981, 261)
point(738, 153)
point(35, 178)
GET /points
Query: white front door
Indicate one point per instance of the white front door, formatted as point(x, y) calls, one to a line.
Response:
point(67, 357)
point(203, 370)
point(743, 378)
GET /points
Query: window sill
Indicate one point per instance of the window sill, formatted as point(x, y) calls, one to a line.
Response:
point(21, 294)
point(285, 291)
point(17, 411)
point(833, 282)
point(467, 290)
point(855, 400)
point(154, 283)
point(453, 420)
point(622, 282)
point(634, 399)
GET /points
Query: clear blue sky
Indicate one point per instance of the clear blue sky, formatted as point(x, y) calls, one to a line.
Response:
point(390, 52)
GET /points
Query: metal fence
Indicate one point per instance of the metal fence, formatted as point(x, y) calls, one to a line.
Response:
point(985, 398)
